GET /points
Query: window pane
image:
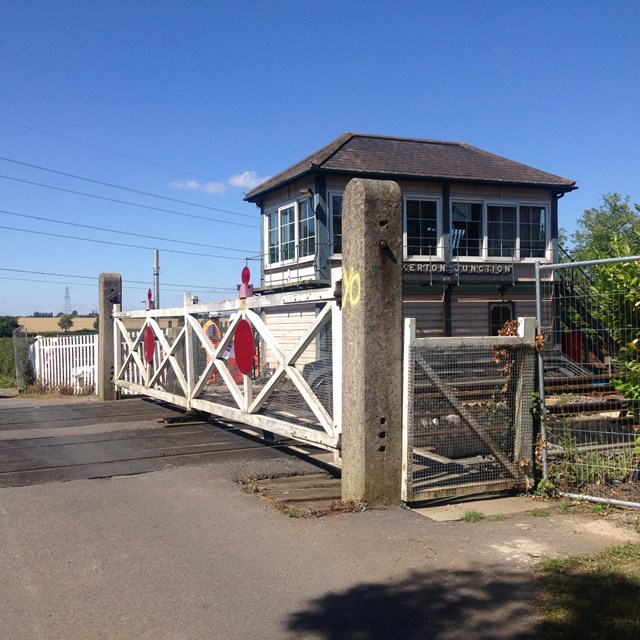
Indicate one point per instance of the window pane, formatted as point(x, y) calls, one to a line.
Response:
point(288, 233)
point(336, 222)
point(466, 228)
point(307, 229)
point(533, 237)
point(501, 229)
point(273, 242)
point(422, 227)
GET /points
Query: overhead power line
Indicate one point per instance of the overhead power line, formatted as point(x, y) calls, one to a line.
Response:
point(75, 284)
point(128, 189)
point(69, 275)
point(45, 273)
point(133, 204)
point(120, 244)
point(124, 286)
point(111, 151)
point(125, 233)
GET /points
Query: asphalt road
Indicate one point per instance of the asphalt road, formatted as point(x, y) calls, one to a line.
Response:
point(183, 553)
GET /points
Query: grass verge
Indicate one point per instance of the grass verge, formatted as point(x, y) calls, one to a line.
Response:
point(592, 597)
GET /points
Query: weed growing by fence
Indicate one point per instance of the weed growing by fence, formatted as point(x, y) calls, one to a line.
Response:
point(574, 468)
point(473, 516)
point(7, 363)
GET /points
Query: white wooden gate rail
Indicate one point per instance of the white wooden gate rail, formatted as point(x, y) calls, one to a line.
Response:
point(177, 373)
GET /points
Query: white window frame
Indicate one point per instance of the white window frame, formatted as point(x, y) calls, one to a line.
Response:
point(547, 231)
point(486, 203)
point(516, 249)
point(439, 254)
point(296, 259)
point(279, 211)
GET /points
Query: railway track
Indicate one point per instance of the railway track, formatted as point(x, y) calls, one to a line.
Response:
point(100, 440)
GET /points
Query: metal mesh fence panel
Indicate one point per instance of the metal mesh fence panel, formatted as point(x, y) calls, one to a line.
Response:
point(167, 379)
point(315, 366)
point(470, 422)
point(591, 357)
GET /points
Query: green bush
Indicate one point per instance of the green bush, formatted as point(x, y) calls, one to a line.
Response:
point(7, 325)
point(7, 364)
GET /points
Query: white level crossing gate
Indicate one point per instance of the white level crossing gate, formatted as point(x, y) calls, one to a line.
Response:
point(294, 386)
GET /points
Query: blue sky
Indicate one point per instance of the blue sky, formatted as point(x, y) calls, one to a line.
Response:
point(195, 101)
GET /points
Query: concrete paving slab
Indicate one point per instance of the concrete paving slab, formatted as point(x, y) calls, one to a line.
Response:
point(487, 507)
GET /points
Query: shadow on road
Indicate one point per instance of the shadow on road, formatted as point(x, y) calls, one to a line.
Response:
point(439, 604)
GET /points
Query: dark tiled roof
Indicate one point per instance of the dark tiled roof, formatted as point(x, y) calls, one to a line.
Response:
point(381, 156)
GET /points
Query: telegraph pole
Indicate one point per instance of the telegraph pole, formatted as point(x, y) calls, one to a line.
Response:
point(156, 276)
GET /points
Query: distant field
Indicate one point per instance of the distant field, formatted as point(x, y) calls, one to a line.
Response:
point(50, 325)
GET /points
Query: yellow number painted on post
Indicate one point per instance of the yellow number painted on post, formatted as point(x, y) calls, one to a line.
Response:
point(350, 288)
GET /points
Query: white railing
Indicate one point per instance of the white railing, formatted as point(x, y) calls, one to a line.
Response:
point(68, 362)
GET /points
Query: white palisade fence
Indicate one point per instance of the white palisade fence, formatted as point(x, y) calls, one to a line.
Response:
point(66, 362)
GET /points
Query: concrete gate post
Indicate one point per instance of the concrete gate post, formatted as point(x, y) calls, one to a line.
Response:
point(372, 341)
point(110, 294)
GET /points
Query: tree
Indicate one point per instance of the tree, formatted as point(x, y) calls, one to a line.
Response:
point(614, 220)
point(612, 230)
point(65, 323)
point(616, 287)
point(96, 323)
point(8, 324)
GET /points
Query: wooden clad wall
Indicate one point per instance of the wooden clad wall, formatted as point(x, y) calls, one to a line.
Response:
point(428, 310)
point(288, 326)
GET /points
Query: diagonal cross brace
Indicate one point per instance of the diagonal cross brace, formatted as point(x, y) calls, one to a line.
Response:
point(472, 423)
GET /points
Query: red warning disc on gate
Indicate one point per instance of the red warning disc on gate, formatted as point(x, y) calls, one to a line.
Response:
point(244, 347)
point(149, 343)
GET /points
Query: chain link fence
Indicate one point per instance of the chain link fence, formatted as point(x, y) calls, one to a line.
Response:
point(24, 375)
point(589, 315)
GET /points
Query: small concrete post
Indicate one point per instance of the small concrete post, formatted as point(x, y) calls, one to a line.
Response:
point(372, 342)
point(525, 387)
point(110, 294)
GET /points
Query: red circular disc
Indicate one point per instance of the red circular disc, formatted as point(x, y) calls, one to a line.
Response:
point(243, 346)
point(149, 342)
